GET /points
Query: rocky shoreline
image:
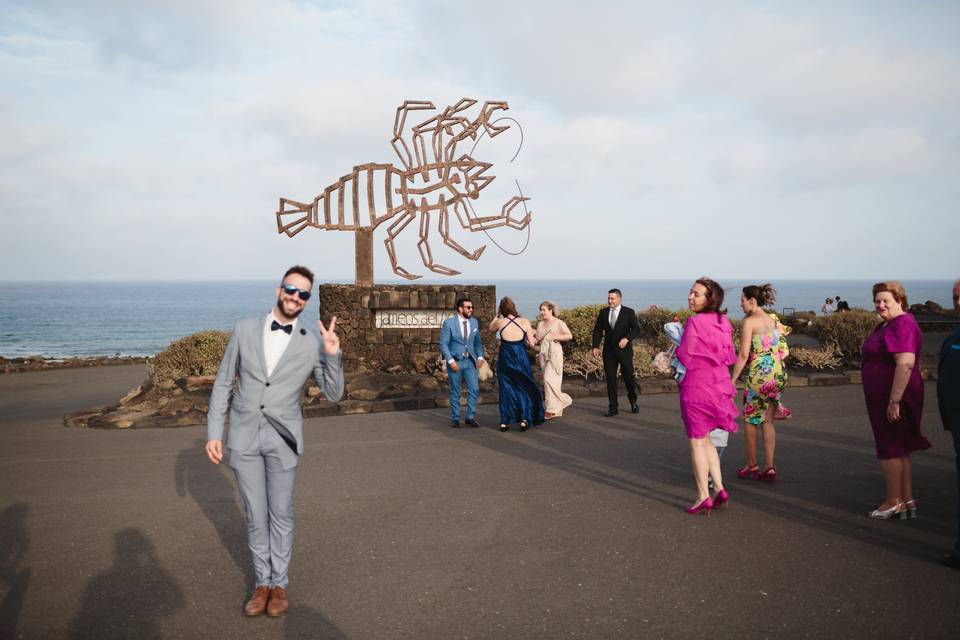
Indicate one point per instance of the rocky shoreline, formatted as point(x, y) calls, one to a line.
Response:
point(41, 363)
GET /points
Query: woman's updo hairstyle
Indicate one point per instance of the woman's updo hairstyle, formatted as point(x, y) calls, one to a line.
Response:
point(764, 294)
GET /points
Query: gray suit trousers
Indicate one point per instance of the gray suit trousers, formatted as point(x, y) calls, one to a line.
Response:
point(266, 472)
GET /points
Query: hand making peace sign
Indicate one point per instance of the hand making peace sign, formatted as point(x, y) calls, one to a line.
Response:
point(331, 342)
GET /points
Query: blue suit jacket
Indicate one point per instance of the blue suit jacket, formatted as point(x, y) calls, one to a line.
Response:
point(452, 345)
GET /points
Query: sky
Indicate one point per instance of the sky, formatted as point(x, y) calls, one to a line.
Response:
point(758, 140)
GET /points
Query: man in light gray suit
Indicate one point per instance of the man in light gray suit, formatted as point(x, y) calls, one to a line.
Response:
point(271, 357)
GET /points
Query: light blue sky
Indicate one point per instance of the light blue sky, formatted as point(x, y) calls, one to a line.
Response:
point(753, 140)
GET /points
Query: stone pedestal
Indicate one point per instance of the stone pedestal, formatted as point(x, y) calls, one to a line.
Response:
point(383, 326)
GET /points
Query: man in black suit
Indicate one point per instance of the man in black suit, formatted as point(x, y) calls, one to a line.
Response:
point(618, 326)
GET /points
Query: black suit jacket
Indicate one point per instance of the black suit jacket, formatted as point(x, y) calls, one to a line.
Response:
point(948, 381)
point(627, 327)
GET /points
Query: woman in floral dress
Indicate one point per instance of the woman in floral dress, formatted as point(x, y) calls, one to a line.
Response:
point(763, 351)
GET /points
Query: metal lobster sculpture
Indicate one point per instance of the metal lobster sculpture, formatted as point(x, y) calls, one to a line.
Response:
point(434, 180)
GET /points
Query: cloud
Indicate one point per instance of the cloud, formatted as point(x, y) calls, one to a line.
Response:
point(158, 136)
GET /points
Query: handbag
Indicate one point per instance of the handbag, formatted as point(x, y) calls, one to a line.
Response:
point(484, 372)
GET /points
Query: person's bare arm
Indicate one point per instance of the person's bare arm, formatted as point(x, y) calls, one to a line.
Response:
point(905, 362)
point(746, 335)
point(531, 334)
point(563, 333)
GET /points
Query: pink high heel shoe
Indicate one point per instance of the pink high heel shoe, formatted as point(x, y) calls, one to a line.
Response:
point(721, 500)
point(704, 506)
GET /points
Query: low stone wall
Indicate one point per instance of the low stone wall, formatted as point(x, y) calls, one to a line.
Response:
point(371, 321)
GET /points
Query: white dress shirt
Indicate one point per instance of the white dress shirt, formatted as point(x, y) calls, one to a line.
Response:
point(614, 314)
point(275, 342)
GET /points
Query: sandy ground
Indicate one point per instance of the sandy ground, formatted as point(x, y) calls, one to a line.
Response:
point(409, 529)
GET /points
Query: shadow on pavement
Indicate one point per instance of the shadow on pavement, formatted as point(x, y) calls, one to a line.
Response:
point(586, 453)
point(824, 495)
point(14, 578)
point(212, 490)
point(307, 622)
point(130, 599)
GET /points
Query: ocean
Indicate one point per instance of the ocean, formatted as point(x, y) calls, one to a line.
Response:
point(65, 319)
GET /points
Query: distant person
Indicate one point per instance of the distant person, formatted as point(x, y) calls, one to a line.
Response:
point(271, 357)
point(763, 352)
point(617, 325)
point(551, 332)
point(893, 390)
point(827, 307)
point(706, 393)
point(462, 350)
point(842, 305)
point(948, 397)
point(520, 398)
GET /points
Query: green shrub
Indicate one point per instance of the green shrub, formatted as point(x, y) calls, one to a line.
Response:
point(581, 321)
point(643, 360)
point(845, 332)
point(582, 362)
point(737, 332)
point(651, 325)
point(195, 355)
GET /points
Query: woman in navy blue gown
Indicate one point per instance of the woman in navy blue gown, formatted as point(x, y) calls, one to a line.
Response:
point(521, 399)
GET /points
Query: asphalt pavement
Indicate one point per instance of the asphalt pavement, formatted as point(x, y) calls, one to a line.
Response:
point(406, 528)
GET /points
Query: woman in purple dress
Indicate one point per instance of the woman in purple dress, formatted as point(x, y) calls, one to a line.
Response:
point(893, 389)
point(706, 392)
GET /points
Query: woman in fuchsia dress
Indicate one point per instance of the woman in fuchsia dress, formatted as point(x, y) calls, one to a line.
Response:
point(706, 393)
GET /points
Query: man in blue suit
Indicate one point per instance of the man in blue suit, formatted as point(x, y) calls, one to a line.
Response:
point(462, 350)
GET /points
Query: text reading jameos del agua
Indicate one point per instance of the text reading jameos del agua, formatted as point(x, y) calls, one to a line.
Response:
point(411, 318)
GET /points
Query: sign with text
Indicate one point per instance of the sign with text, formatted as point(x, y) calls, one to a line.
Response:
point(411, 318)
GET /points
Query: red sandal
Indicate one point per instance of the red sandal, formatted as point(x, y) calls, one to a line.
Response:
point(769, 475)
point(749, 471)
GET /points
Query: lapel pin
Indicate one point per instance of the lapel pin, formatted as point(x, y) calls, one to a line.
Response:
point(303, 331)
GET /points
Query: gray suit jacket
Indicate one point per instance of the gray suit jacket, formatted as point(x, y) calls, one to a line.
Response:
point(277, 397)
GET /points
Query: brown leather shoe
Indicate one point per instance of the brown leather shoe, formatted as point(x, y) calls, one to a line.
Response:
point(257, 603)
point(278, 604)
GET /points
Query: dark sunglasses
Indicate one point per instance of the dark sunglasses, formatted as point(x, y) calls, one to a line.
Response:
point(470, 308)
point(289, 289)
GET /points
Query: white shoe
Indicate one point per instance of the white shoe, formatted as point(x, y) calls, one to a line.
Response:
point(897, 510)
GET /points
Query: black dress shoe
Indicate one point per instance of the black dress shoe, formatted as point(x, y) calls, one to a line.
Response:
point(455, 424)
point(610, 413)
point(951, 560)
point(470, 422)
point(634, 408)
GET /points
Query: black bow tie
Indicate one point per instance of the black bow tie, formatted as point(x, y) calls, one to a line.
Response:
point(288, 328)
